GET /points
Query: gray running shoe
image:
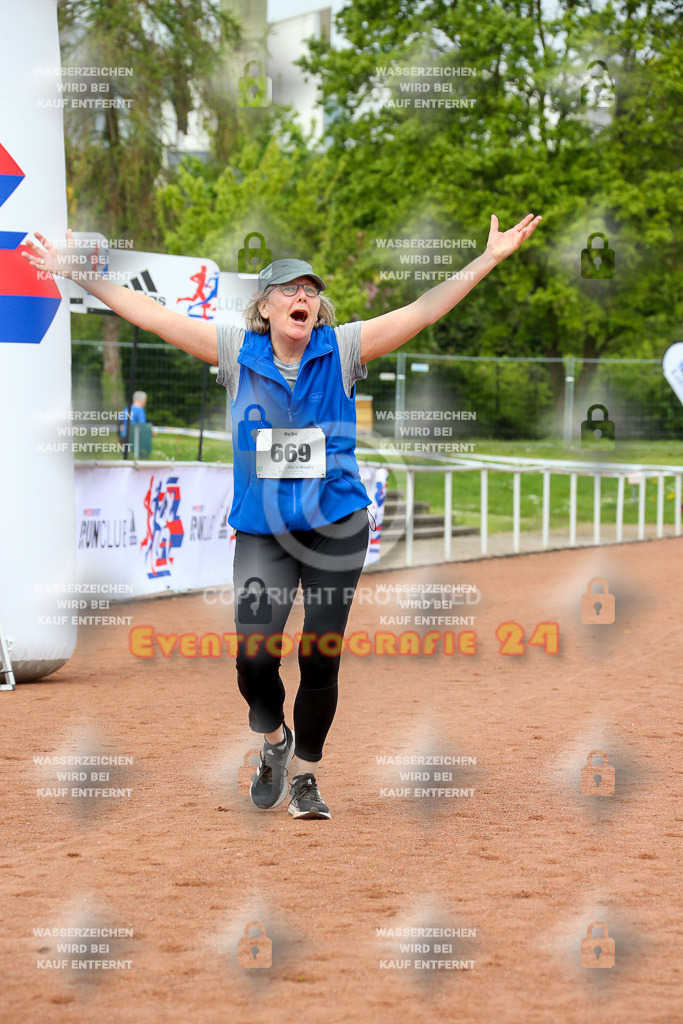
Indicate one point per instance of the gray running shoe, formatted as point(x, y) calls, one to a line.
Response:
point(269, 783)
point(305, 799)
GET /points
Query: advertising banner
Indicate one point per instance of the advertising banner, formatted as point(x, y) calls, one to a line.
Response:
point(375, 483)
point(155, 528)
point(673, 367)
point(187, 284)
point(150, 529)
point(235, 292)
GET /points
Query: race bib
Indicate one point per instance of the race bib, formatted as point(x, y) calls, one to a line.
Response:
point(283, 453)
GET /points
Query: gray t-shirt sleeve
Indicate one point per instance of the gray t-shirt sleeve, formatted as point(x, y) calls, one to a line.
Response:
point(229, 343)
point(348, 343)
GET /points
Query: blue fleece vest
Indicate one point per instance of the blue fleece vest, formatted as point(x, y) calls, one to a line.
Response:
point(264, 398)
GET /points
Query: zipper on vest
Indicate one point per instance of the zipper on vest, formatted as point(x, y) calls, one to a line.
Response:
point(291, 420)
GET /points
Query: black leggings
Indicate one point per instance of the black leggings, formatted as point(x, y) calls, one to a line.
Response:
point(267, 570)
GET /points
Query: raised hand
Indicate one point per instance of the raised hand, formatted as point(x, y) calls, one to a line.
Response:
point(501, 243)
point(62, 262)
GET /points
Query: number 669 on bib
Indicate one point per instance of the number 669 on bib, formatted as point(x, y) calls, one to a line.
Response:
point(283, 453)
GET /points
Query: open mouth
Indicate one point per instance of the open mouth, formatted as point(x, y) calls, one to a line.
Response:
point(299, 316)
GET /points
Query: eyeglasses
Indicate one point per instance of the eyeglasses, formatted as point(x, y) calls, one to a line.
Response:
point(292, 289)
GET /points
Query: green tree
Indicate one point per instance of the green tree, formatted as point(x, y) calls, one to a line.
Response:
point(520, 142)
point(115, 157)
point(275, 186)
point(526, 144)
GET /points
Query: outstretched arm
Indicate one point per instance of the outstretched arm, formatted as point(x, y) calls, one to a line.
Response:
point(388, 332)
point(197, 337)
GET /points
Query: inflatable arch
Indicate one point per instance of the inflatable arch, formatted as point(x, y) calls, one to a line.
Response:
point(37, 515)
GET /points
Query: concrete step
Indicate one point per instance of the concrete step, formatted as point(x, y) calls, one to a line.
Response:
point(396, 532)
point(426, 524)
point(395, 507)
point(422, 519)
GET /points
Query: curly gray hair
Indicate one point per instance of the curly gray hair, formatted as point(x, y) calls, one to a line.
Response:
point(255, 322)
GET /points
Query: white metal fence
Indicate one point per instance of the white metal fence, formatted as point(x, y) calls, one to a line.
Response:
point(635, 474)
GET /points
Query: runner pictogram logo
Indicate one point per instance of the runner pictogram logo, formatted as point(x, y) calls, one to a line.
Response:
point(206, 290)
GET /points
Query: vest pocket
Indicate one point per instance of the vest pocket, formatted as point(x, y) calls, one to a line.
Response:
point(347, 467)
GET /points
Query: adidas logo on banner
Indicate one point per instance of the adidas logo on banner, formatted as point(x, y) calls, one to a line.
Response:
point(149, 286)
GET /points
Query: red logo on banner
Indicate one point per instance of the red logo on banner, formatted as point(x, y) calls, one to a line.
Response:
point(28, 303)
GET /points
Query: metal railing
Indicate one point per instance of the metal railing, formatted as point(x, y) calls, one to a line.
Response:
point(636, 473)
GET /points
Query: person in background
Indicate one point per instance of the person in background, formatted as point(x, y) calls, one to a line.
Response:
point(136, 413)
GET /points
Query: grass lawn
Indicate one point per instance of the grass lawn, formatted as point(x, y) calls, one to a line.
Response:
point(466, 485)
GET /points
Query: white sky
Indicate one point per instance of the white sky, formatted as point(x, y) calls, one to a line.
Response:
point(279, 9)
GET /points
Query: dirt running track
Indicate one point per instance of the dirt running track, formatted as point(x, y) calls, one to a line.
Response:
point(521, 866)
